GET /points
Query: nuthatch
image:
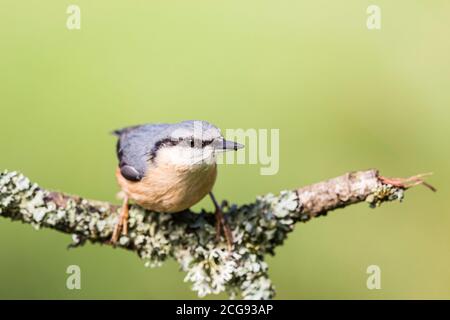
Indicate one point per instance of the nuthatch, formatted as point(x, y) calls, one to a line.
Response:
point(169, 168)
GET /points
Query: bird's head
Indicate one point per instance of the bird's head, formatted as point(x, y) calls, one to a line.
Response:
point(192, 143)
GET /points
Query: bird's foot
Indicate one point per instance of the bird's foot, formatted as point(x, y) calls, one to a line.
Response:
point(222, 226)
point(122, 224)
point(221, 223)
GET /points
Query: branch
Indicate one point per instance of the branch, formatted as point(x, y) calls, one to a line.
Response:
point(189, 237)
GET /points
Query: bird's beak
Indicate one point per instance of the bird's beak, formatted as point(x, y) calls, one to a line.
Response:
point(223, 145)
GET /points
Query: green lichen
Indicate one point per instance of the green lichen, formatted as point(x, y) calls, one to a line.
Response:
point(188, 237)
point(383, 193)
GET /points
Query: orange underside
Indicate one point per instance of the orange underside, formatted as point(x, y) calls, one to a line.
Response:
point(170, 188)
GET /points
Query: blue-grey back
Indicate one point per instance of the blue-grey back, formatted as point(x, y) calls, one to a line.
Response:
point(136, 143)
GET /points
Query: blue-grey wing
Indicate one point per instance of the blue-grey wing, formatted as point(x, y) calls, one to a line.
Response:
point(134, 148)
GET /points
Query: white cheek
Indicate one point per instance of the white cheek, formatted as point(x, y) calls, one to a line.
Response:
point(208, 155)
point(180, 155)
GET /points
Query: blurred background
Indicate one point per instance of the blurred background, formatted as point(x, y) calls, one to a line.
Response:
point(344, 98)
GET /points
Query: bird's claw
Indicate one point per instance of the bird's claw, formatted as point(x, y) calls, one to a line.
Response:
point(222, 226)
point(121, 225)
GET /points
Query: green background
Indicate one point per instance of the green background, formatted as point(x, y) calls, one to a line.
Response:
point(344, 98)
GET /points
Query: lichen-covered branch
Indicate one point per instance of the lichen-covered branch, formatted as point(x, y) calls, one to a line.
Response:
point(189, 237)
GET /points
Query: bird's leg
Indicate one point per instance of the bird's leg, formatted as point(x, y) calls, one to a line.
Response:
point(124, 217)
point(221, 224)
point(122, 224)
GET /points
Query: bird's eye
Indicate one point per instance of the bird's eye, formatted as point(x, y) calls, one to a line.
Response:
point(192, 142)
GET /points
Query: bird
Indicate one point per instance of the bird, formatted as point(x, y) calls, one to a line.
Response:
point(169, 167)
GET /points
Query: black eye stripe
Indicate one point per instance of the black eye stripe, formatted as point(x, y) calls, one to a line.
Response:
point(173, 142)
point(192, 142)
point(206, 142)
point(161, 143)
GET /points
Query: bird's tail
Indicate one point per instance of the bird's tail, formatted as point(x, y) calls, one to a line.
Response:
point(119, 132)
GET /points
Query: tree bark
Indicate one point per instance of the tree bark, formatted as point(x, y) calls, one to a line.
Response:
point(189, 237)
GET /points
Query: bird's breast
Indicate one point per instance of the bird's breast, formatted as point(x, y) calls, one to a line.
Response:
point(169, 188)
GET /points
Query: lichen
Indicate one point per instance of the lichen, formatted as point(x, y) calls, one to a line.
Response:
point(188, 237)
point(384, 192)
